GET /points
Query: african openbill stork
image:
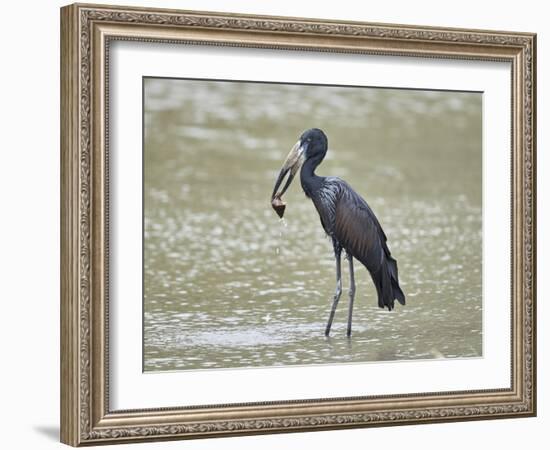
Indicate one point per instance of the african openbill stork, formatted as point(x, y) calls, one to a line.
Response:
point(346, 218)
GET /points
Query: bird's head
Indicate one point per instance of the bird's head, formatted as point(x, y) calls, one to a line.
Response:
point(313, 143)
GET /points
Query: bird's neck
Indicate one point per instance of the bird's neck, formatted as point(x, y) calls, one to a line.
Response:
point(310, 181)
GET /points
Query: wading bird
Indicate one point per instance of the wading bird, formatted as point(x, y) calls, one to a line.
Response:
point(346, 218)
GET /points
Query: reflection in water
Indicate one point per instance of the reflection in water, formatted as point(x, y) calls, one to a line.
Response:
point(229, 285)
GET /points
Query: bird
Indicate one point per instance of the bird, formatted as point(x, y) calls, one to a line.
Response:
point(346, 218)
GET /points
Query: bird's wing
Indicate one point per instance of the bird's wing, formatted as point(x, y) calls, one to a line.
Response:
point(325, 203)
point(358, 230)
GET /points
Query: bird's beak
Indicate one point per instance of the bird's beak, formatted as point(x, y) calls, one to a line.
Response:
point(292, 164)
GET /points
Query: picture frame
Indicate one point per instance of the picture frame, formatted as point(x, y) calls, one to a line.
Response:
point(87, 33)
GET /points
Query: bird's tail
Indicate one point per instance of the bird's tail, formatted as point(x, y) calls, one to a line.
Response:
point(387, 284)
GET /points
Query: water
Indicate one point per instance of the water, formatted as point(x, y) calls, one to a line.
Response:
point(227, 285)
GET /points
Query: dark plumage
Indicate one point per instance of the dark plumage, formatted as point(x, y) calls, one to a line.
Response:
point(347, 219)
point(352, 225)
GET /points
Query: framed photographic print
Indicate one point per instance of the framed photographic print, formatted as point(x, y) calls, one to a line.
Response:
point(203, 294)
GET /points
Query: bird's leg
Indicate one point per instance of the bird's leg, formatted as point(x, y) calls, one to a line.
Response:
point(337, 253)
point(351, 291)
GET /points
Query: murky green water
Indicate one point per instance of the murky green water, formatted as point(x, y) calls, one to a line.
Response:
point(226, 284)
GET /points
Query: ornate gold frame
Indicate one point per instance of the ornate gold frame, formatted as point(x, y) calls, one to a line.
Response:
point(86, 31)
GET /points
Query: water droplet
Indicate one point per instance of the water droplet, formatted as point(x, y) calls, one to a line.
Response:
point(283, 225)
